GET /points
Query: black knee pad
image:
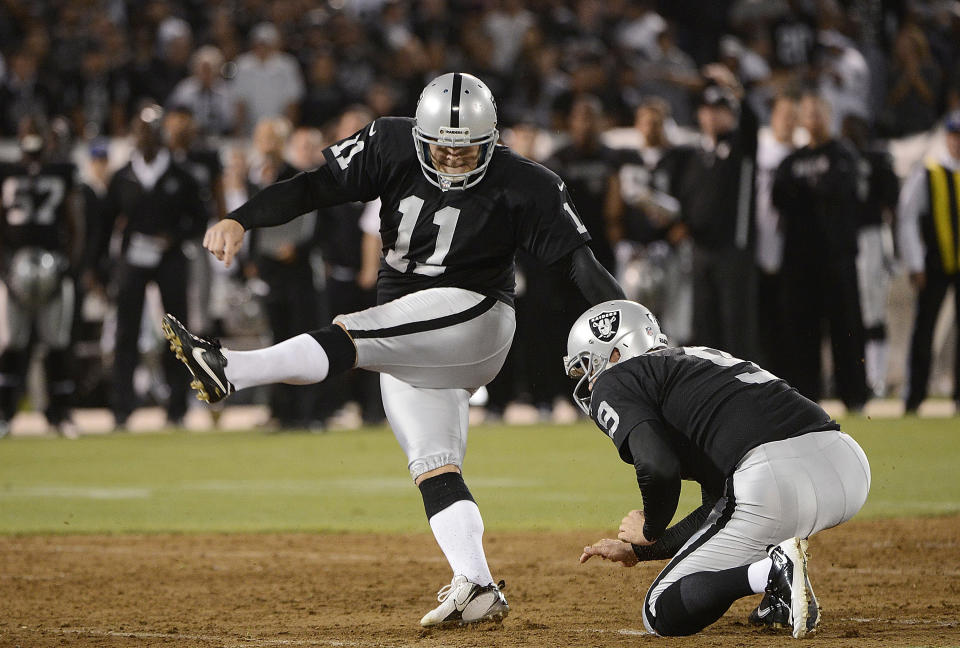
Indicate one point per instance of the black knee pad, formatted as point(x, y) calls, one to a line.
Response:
point(338, 346)
point(672, 619)
point(878, 332)
point(442, 491)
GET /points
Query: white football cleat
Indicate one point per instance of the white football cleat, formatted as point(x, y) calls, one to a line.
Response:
point(463, 602)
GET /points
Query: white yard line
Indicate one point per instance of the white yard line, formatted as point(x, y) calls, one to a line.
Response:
point(223, 640)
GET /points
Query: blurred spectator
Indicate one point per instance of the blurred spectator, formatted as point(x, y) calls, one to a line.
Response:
point(23, 93)
point(187, 150)
point(156, 204)
point(39, 235)
point(772, 147)
point(94, 193)
point(325, 97)
point(794, 38)
point(587, 166)
point(281, 258)
point(350, 244)
point(181, 136)
point(915, 84)
point(96, 98)
point(641, 29)
point(877, 190)
point(670, 74)
point(815, 192)
point(652, 247)
point(169, 65)
point(507, 25)
point(715, 195)
point(268, 82)
point(928, 226)
point(844, 78)
point(206, 93)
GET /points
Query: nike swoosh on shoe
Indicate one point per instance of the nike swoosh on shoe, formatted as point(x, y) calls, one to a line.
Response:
point(198, 356)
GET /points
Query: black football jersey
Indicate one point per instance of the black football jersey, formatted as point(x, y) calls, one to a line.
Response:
point(33, 204)
point(464, 239)
point(587, 175)
point(639, 177)
point(204, 166)
point(710, 407)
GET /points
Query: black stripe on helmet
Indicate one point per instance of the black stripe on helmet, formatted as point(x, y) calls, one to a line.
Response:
point(455, 101)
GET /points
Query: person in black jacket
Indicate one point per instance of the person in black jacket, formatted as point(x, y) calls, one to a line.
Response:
point(716, 196)
point(772, 466)
point(157, 205)
point(815, 191)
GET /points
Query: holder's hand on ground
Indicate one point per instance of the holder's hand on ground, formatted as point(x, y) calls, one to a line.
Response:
point(610, 549)
point(224, 240)
point(631, 529)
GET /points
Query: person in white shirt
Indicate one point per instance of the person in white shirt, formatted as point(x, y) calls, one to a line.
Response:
point(268, 81)
point(773, 146)
point(928, 225)
point(206, 93)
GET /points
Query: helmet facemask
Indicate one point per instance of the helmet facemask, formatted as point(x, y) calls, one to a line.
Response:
point(585, 366)
point(454, 137)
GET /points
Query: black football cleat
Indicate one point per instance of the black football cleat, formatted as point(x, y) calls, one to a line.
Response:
point(202, 357)
point(789, 601)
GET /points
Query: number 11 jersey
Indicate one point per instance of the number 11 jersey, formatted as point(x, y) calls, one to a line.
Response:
point(465, 239)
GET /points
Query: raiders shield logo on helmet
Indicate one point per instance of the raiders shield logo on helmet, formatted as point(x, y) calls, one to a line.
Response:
point(605, 325)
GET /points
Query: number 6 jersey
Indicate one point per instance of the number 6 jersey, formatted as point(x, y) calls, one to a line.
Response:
point(465, 239)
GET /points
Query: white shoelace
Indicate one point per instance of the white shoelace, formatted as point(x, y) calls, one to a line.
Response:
point(445, 591)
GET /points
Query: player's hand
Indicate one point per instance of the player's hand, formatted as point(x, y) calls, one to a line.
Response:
point(224, 240)
point(631, 529)
point(610, 549)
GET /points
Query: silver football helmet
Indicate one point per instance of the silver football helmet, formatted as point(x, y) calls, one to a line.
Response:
point(624, 325)
point(35, 275)
point(455, 109)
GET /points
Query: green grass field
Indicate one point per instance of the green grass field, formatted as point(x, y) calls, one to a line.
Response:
point(524, 478)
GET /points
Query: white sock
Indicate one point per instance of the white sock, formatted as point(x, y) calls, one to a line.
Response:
point(757, 574)
point(459, 532)
point(297, 361)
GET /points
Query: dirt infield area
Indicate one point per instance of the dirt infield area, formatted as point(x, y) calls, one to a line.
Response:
point(881, 583)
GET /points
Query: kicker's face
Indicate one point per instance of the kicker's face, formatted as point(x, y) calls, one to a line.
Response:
point(454, 159)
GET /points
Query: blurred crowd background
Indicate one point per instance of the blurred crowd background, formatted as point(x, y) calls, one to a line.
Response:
point(668, 121)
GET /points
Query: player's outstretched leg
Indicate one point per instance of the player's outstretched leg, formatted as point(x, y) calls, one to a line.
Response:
point(218, 372)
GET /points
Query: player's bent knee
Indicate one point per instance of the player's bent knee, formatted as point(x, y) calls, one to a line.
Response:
point(339, 347)
point(442, 491)
point(672, 618)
